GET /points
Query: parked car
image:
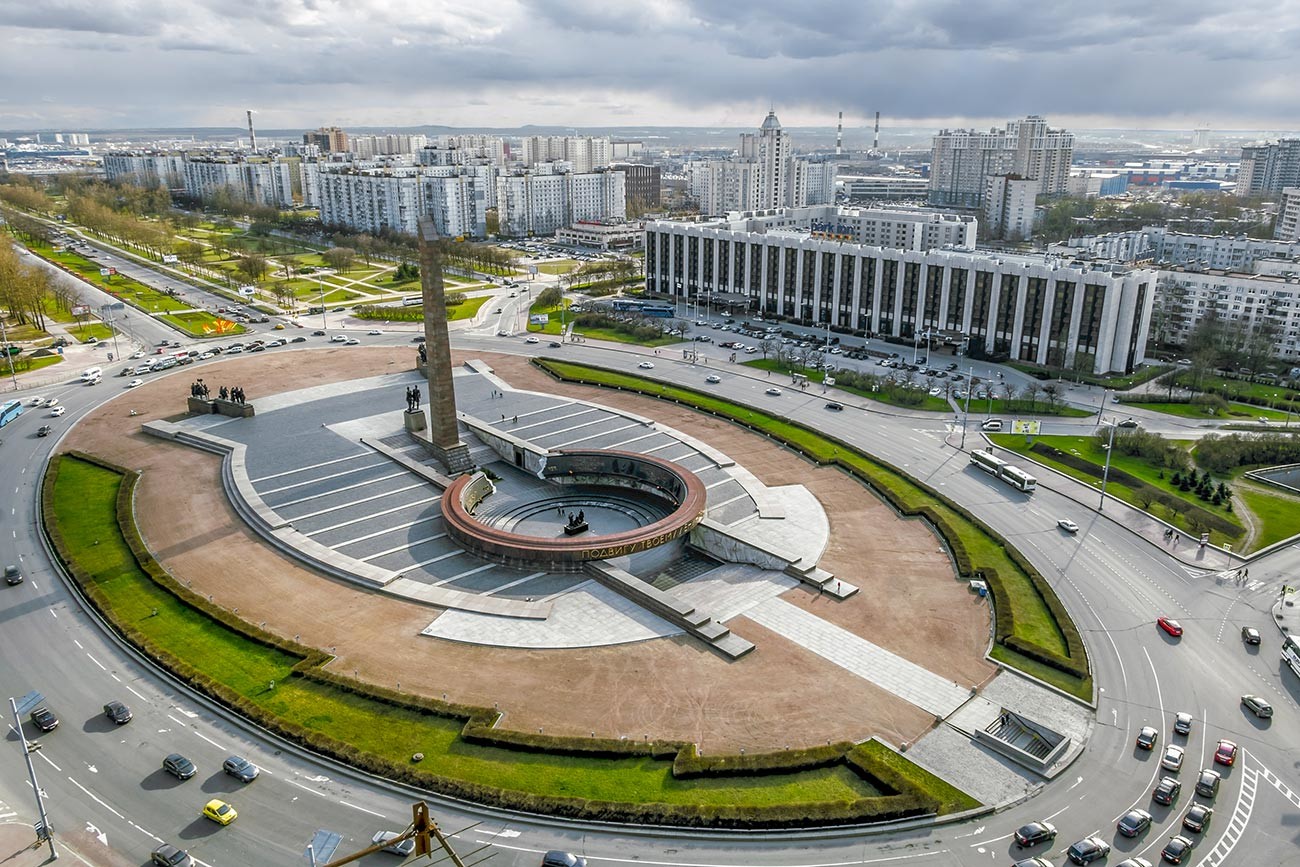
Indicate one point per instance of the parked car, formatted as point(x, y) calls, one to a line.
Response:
point(179, 767)
point(1134, 862)
point(118, 712)
point(241, 769)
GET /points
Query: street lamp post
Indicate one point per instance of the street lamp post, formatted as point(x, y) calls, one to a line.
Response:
point(4, 335)
point(320, 284)
point(1105, 474)
point(1101, 409)
point(965, 418)
point(45, 829)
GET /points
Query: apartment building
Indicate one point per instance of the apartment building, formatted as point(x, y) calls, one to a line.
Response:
point(1268, 169)
point(532, 203)
point(1287, 229)
point(1009, 202)
point(145, 168)
point(377, 199)
point(961, 160)
point(261, 181)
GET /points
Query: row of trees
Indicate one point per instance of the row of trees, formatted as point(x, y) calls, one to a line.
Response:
point(602, 275)
point(1222, 453)
point(24, 289)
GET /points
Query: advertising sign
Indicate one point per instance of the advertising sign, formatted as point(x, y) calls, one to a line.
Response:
point(170, 259)
point(248, 291)
point(538, 318)
point(80, 310)
point(1028, 428)
point(104, 272)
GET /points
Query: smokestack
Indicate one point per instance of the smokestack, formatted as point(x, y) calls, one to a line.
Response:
point(875, 144)
point(839, 136)
point(252, 136)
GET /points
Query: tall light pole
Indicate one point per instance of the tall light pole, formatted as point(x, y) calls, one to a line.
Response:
point(1105, 474)
point(320, 284)
point(1101, 409)
point(966, 413)
point(45, 831)
point(4, 335)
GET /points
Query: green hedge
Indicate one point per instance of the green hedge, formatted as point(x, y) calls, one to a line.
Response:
point(905, 798)
point(874, 473)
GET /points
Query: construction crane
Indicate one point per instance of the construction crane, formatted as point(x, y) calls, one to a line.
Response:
point(426, 834)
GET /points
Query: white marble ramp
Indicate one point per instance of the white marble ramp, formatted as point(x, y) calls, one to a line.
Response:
point(889, 671)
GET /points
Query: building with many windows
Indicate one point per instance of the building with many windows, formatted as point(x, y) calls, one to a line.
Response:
point(961, 160)
point(1040, 309)
point(375, 199)
point(1287, 229)
point(587, 153)
point(765, 174)
point(146, 169)
point(330, 139)
point(1009, 205)
point(538, 203)
point(1269, 168)
point(641, 183)
point(883, 187)
point(1160, 246)
point(1265, 301)
point(258, 180)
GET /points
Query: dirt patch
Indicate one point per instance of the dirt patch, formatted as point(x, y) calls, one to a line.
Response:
point(778, 695)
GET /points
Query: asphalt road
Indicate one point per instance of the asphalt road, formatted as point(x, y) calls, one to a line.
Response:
point(106, 780)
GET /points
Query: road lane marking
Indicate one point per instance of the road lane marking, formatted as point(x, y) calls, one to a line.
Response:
point(591, 858)
point(1240, 816)
point(307, 789)
point(210, 740)
point(364, 810)
point(50, 762)
point(96, 799)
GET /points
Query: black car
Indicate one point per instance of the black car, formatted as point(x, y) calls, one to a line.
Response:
point(1035, 833)
point(1207, 784)
point(240, 768)
point(1197, 817)
point(1087, 850)
point(299, 340)
point(44, 719)
point(168, 855)
point(117, 712)
point(13, 575)
point(555, 344)
point(1134, 822)
point(419, 338)
point(556, 858)
point(179, 767)
point(318, 334)
point(1176, 849)
point(1167, 791)
point(835, 407)
point(1129, 422)
point(1250, 635)
point(44, 430)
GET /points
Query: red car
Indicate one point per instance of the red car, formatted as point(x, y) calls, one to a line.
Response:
point(1168, 624)
point(1226, 754)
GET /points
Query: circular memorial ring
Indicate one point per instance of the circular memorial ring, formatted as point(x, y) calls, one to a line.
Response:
point(681, 489)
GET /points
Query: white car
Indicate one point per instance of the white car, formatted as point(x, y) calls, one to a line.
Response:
point(52, 402)
point(775, 392)
point(1173, 759)
point(713, 379)
point(135, 383)
point(532, 340)
point(503, 333)
point(36, 401)
point(374, 332)
point(352, 341)
point(58, 411)
point(139, 353)
point(1067, 525)
point(204, 356)
point(646, 365)
point(339, 338)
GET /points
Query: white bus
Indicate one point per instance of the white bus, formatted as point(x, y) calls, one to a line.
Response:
point(1291, 654)
point(986, 461)
point(995, 466)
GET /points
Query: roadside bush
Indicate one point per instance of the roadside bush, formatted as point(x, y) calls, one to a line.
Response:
point(1222, 453)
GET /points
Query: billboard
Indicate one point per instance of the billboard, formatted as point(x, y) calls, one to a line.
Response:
point(1028, 428)
point(170, 259)
point(538, 318)
point(248, 291)
point(80, 310)
point(104, 272)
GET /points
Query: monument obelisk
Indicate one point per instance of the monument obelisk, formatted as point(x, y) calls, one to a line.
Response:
point(444, 438)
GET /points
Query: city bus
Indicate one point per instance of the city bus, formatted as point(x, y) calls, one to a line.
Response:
point(663, 311)
point(10, 411)
point(1291, 654)
point(995, 466)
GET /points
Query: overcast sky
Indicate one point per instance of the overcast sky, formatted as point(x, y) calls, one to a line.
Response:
point(71, 64)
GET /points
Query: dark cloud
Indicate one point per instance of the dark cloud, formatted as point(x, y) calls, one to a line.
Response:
point(580, 62)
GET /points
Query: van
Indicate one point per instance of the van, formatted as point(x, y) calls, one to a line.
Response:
point(994, 425)
point(92, 373)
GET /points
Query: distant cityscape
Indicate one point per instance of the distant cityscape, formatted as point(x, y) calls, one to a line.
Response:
point(955, 238)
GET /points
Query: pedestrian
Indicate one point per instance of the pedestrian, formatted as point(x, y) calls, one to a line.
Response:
point(1245, 573)
point(516, 420)
point(1177, 536)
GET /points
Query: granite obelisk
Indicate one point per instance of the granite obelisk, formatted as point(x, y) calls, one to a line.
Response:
point(444, 438)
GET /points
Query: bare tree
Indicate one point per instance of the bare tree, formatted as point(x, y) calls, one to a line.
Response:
point(253, 266)
point(340, 258)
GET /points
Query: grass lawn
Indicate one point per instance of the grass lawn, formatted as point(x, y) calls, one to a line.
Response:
point(1242, 411)
point(1016, 406)
point(21, 333)
point(1086, 447)
point(55, 312)
point(467, 308)
point(926, 403)
point(1274, 512)
point(1272, 396)
point(1117, 381)
point(1033, 620)
point(340, 296)
point(559, 266)
point(83, 513)
point(27, 364)
point(88, 330)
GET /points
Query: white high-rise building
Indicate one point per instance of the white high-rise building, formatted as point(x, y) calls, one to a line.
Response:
point(961, 159)
point(1009, 203)
point(764, 174)
point(1288, 216)
point(264, 182)
point(146, 169)
point(375, 199)
point(530, 203)
point(587, 153)
point(1269, 168)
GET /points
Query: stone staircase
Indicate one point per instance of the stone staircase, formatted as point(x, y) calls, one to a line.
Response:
point(670, 608)
point(1022, 740)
